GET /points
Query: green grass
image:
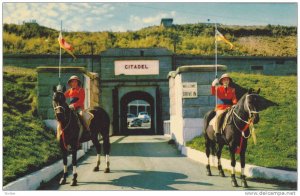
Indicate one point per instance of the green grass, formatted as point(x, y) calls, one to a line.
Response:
point(27, 144)
point(277, 130)
point(196, 39)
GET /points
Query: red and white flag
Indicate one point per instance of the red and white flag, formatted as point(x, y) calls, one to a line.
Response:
point(66, 46)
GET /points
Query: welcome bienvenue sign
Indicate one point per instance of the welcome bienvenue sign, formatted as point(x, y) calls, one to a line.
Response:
point(137, 67)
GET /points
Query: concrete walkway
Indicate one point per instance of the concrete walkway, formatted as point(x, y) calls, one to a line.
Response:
point(149, 163)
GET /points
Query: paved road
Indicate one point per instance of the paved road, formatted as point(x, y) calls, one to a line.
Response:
point(149, 163)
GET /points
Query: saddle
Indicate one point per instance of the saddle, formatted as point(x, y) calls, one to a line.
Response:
point(223, 120)
point(86, 119)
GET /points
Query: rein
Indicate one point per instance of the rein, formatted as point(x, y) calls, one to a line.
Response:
point(248, 123)
point(68, 124)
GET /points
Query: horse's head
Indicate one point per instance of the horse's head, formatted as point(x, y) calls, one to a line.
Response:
point(59, 102)
point(251, 104)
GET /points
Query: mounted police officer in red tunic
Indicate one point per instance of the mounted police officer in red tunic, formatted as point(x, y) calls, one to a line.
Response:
point(226, 97)
point(76, 94)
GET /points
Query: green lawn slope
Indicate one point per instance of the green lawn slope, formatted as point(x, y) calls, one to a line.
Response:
point(27, 144)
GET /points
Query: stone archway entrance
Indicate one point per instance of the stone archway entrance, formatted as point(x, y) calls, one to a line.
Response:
point(145, 127)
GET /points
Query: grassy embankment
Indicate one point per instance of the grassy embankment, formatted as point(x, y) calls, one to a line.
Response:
point(277, 130)
point(27, 144)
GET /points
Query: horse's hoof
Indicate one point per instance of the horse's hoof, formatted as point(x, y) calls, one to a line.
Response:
point(74, 183)
point(96, 169)
point(244, 184)
point(62, 181)
point(221, 173)
point(107, 170)
point(234, 183)
point(208, 171)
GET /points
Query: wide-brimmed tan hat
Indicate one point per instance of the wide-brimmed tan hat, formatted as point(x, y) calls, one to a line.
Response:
point(74, 78)
point(226, 75)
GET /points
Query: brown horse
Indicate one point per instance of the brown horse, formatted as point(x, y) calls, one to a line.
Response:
point(235, 134)
point(69, 139)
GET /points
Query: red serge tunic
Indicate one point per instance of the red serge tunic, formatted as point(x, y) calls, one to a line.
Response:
point(225, 97)
point(76, 96)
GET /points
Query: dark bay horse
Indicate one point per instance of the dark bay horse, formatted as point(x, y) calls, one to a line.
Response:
point(235, 134)
point(69, 139)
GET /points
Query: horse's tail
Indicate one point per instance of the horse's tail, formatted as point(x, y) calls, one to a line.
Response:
point(207, 118)
point(102, 118)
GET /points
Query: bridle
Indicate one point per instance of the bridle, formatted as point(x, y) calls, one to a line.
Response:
point(250, 118)
point(64, 112)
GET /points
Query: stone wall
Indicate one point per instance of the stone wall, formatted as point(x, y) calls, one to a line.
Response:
point(47, 78)
point(127, 83)
point(263, 65)
point(186, 114)
point(253, 64)
point(34, 61)
point(94, 89)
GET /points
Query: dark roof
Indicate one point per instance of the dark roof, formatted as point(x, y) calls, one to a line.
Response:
point(167, 19)
point(136, 52)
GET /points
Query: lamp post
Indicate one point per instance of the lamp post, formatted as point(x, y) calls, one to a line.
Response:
point(91, 44)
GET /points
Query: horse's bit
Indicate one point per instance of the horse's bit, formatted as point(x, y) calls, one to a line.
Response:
point(55, 108)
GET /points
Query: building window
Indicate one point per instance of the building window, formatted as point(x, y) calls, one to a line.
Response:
point(280, 61)
point(257, 67)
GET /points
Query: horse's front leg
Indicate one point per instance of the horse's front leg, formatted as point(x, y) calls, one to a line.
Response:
point(74, 163)
point(207, 151)
point(243, 163)
point(233, 163)
point(64, 153)
point(219, 152)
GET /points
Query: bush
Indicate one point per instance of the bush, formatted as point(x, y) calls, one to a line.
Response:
point(197, 39)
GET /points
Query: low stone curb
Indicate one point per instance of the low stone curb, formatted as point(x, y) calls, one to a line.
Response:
point(252, 171)
point(33, 181)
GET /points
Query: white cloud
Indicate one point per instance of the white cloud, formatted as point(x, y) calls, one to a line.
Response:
point(152, 19)
point(63, 7)
point(109, 15)
point(135, 19)
point(78, 16)
point(119, 28)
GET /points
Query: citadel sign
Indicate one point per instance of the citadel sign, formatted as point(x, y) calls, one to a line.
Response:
point(137, 67)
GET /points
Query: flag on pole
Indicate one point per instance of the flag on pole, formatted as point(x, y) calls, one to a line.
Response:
point(220, 37)
point(66, 46)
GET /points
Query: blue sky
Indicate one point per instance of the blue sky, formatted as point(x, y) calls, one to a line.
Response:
point(133, 16)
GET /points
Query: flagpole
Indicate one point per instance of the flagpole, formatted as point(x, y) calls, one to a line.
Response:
point(216, 52)
point(60, 53)
point(216, 63)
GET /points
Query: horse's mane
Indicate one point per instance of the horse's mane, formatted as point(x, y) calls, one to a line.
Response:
point(242, 99)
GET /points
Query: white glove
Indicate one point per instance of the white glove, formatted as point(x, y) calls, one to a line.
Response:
point(215, 82)
point(72, 107)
